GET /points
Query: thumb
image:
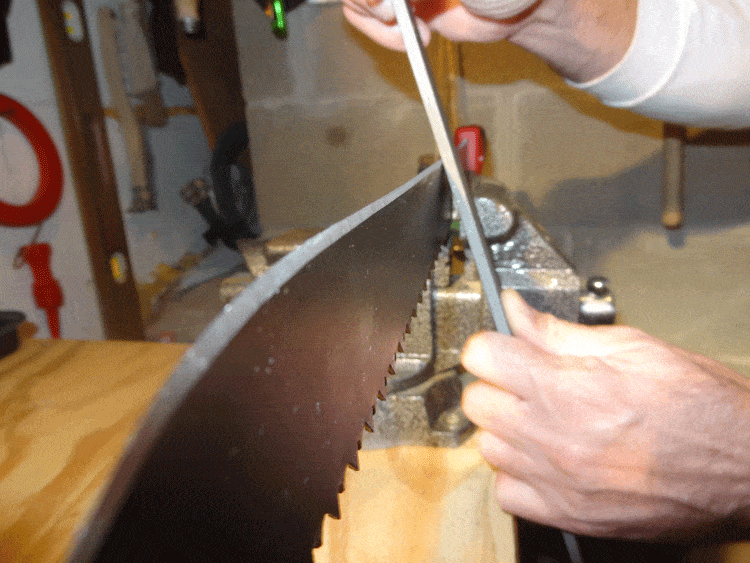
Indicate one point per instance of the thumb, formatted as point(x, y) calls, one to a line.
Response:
point(556, 335)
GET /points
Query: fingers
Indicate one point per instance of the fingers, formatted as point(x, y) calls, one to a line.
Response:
point(505, 456)
point(381, 10)
point(512, 488)
point(489, 407)
point(377, 21)
point(457, 24)
point(510, 363)
point(561, 337)
point(521, 499)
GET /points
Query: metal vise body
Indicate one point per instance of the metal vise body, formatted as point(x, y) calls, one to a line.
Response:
point(423, 401)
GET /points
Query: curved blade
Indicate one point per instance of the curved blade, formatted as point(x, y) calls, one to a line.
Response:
point(245, 448)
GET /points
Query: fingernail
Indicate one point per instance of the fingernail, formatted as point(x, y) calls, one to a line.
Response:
point(476, 352)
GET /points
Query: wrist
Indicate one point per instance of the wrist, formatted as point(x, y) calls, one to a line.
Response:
point(580, 39)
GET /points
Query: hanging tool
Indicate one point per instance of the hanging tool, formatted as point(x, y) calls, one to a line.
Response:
point(188, 12)
point(276, 11)
point(46, 289)
point(144, 196)
point(673, 183)
point(462, 198)
point(47, 292)
point(49, 191)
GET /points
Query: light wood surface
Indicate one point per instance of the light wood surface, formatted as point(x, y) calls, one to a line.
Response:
point(67, 410)
point(419, 504)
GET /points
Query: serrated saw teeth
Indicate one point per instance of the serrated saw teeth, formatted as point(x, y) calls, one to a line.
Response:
point(353, 463)
point(334, 511)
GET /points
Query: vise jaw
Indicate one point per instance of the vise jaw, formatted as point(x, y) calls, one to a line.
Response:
point(422, 405)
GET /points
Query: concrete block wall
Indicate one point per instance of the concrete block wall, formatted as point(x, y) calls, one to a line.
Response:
point(334, 120)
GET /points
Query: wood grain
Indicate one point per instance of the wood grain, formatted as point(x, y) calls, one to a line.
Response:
point(418, 504)
point(67, 410)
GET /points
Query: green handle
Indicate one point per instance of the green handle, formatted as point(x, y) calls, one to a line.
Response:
point(278, 24)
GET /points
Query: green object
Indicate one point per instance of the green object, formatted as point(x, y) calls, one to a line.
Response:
point(455, 226)
point(278, 25)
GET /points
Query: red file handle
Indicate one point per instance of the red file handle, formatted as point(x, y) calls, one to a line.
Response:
point(472, 156)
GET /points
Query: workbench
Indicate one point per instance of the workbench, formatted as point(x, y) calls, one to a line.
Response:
point(67, 410)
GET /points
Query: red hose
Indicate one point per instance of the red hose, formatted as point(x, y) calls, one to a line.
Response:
point(49, 191)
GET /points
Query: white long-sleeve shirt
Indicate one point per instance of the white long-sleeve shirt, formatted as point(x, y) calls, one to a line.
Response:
point(689, 63)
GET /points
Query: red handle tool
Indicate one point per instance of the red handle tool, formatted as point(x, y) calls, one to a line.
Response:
point(472, 155)
point(47, 292)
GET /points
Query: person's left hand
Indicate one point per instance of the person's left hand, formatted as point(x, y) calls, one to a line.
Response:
point(449, 18)
point(607, 431)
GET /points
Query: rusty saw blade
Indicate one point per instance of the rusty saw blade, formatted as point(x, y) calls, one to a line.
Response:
point(245, 447)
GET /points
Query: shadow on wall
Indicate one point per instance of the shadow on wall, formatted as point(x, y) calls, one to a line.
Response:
point(717, 169)
point(717, 194)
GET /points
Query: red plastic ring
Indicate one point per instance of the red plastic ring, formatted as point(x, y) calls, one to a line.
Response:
point(49, 191)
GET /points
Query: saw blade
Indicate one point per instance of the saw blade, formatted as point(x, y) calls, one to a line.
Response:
point(245, 448)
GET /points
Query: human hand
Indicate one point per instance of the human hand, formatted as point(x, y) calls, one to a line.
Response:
point(470, 20)
point(581, 39)
point(607, 431)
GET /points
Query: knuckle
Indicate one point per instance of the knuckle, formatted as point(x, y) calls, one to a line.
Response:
point(574, 461)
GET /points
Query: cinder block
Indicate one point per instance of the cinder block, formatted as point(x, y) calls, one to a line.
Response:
point(323, 57)
point(316, 163)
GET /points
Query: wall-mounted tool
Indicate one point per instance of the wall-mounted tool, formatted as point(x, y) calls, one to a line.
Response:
point(673, 186)
point(188, 12)
point(49, 190)
point(237, 216)
point(48, 295)
point(144, 197)
point(47, 292)
point(277, 12)
point(138, 63)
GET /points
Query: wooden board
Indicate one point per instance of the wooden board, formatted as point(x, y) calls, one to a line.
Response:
point(67, 410)
point(418, 504)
